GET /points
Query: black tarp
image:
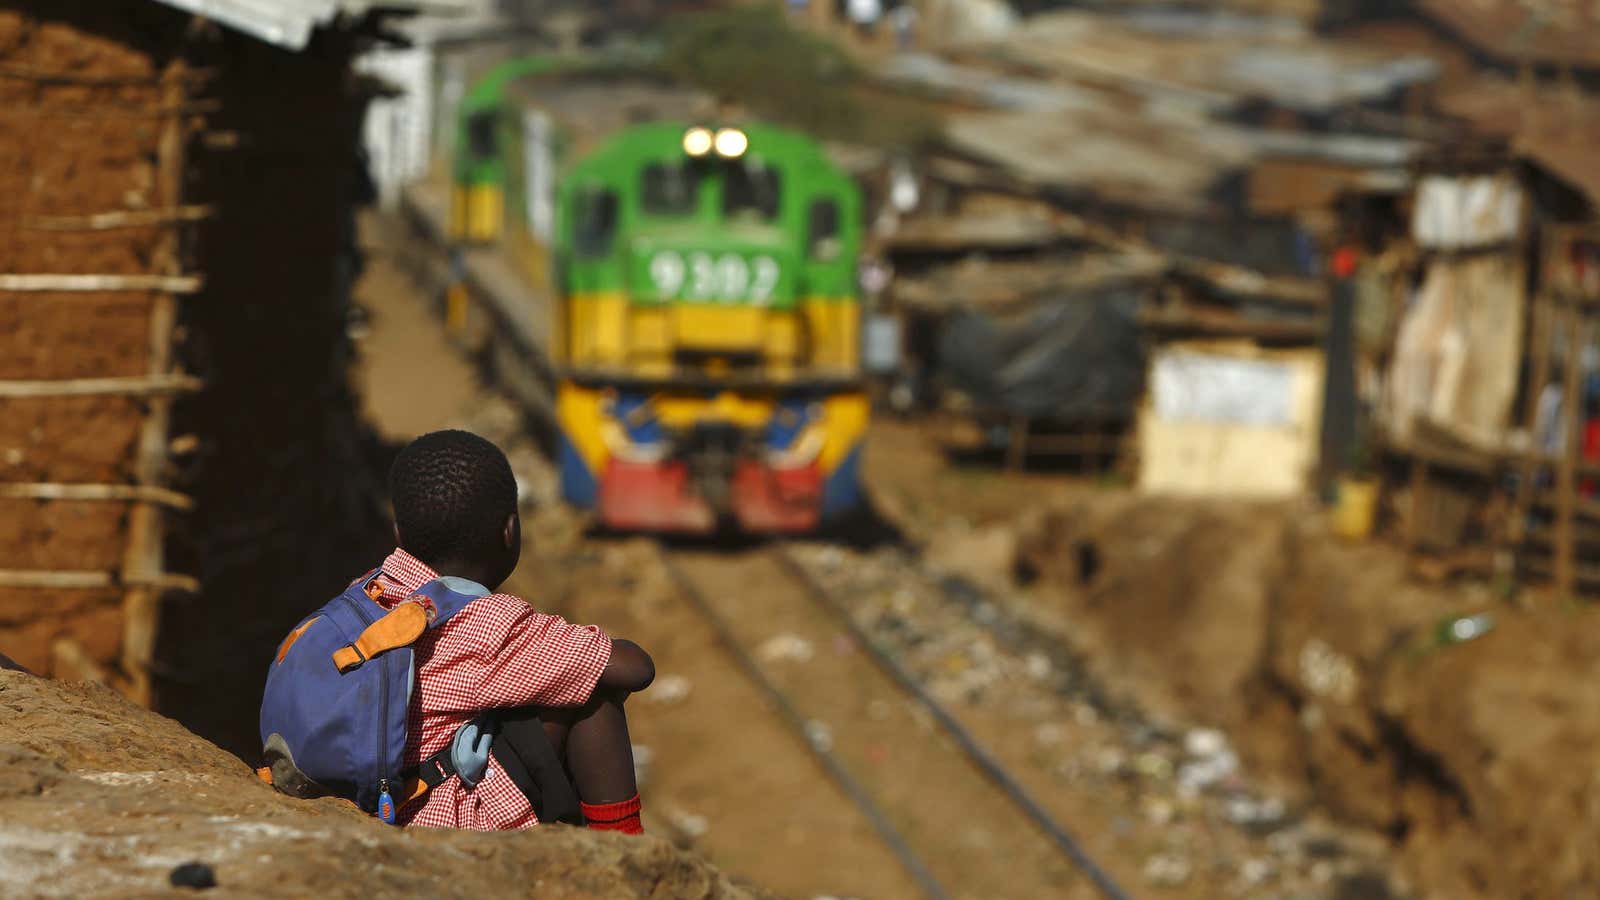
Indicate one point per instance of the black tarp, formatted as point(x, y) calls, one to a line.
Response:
point(1069, 358)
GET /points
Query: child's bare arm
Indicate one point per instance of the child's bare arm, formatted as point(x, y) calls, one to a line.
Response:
point(629, 669)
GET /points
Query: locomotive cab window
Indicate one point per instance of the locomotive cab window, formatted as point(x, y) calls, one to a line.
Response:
point(750, 192)
point(481, 136)
point(668, 189)
point(594, 222)
point(822, 239)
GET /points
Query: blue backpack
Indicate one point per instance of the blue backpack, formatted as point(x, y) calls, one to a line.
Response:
point(333, 718)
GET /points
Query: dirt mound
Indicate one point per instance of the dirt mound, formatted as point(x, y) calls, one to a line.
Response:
point(99, 797)
point(1340, 675)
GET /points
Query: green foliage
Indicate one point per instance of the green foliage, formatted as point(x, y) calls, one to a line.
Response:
point(748, 54)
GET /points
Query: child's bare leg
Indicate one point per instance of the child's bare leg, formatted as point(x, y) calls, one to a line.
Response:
point(593, 741)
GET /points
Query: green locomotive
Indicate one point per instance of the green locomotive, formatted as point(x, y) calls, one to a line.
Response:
point(705, 280)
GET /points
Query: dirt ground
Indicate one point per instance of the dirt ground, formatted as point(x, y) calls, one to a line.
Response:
point(102, 799)
point(1329, 666)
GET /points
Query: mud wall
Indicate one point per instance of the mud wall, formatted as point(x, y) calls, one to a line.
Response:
point(79, 127)
point(286, 484)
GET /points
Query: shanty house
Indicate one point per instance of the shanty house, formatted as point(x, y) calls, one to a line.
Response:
point(179, 456)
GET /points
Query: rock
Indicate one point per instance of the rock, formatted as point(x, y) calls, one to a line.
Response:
point(193, 875)
point(1254, 872)
point(1167, 870)
point(692, 825)
point(1158, 811)
point(820, 735)
point(1153, 766)
point(133, 794)
point(785, 647)
point(1049, 734)
point(669, 690)
point(643, 756)
point(986, 556)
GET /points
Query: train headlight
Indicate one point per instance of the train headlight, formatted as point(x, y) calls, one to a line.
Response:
point(731, 143)
point(697, 141)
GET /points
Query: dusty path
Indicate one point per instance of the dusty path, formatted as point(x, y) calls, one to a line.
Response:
point(410, 378)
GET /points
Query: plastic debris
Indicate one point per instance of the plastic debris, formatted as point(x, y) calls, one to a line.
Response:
point(1203, 742)
point(1464, 628)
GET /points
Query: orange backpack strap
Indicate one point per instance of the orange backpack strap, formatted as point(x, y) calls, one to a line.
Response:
point(399, 628)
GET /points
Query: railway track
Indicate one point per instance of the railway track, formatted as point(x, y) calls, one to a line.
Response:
point(957, 820)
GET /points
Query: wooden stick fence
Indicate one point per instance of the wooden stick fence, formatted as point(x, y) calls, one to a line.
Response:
point(139, 493)
point(91, 579)
point(172, 284)
point(122, 218)
point(134, 385)
point(141, 576)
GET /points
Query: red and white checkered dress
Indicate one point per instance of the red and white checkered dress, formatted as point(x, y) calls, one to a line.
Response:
point(496, 652)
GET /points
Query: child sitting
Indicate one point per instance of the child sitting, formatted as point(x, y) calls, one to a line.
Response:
point(455, 510)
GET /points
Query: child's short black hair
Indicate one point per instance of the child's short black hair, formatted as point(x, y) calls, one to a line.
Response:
point(452, 492)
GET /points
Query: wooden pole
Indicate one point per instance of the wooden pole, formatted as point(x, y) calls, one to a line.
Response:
point(1538, 377)
point(1571, 442)
point(1017, 444)
point(144, 557)
point(70, 660)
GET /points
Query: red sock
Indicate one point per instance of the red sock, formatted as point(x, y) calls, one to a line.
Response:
point(622, 816)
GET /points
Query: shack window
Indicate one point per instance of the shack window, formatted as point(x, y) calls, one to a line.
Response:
point(750, 191)
point(480, 135)
point(669, 189)
point(594, 222)
point(822, 240)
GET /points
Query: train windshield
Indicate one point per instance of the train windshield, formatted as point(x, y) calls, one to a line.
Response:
point(822, 240)
point(481, 136)
point(750, 193)
point(594, 222)
point(669, 189)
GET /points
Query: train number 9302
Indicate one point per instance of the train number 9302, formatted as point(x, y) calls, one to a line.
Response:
point(722, 278)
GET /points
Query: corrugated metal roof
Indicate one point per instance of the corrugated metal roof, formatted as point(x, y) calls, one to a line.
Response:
point(1179, 59)
point(1548, 31)
point(1554, 127)
point(289, 23)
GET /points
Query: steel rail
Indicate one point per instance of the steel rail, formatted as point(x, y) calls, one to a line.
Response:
point(976, 752)
point(830, 763)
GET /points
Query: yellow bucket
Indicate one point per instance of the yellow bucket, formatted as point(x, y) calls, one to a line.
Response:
point(1355, 510)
